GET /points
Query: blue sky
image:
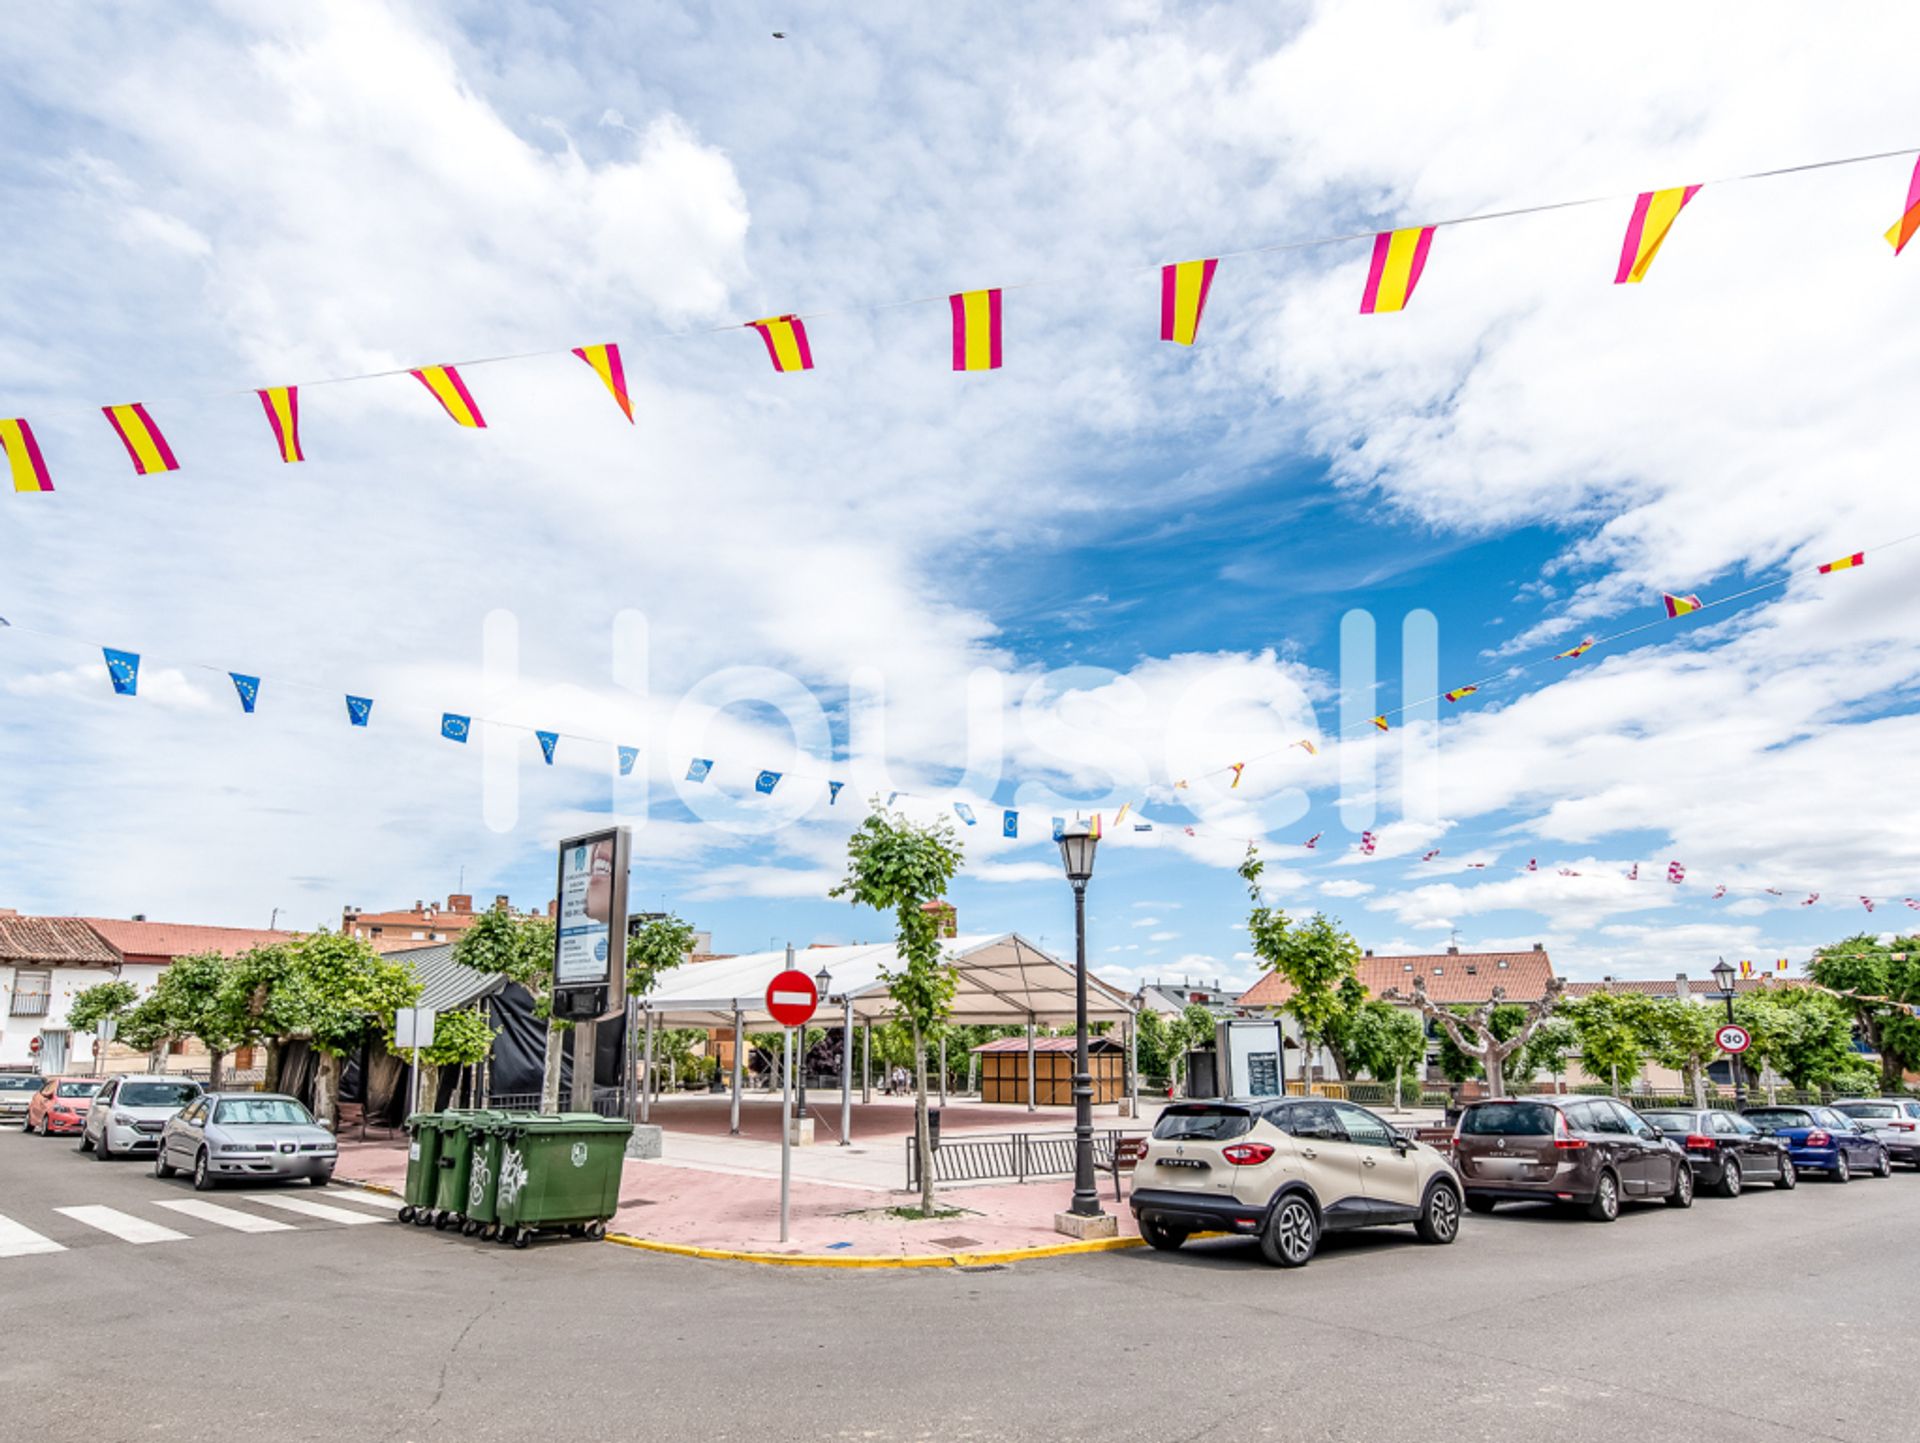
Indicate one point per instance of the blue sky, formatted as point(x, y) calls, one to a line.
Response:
point(218, 199)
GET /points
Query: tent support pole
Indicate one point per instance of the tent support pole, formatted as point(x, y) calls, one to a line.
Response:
point(739, 1037)
point(846, 1072)
point(1032, 1105)
point(866, 1064)
point(943, 1070)
point(646, 1074)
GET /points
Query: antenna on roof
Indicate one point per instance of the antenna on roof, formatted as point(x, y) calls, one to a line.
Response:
point(1453, 936)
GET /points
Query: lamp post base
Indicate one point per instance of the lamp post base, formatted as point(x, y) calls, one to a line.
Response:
point(800, 1131)
point(1085, 1226)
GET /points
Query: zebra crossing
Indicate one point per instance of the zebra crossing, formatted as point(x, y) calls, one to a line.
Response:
point(183, 1219)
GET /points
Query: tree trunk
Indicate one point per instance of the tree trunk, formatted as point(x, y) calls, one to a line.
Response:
point(1493, 1067)
point(1697, 1077)
point(550, 1075)
point(923, 1139)
point(326, 1088)
point(216, 1068)
point(270, 1072)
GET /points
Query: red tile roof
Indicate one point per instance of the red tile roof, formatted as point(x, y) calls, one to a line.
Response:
point(52, 939)
point(1047, 1044)
point(1451, 977)
point(138, 940)
point(1668, 987)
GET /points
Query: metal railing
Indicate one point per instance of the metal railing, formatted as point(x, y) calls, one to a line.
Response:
point(607, 1101)
point(1008, 1156)
point(28, 1004)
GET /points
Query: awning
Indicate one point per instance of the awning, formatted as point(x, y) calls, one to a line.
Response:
point(998, 980)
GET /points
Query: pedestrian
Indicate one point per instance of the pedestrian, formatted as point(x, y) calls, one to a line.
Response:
point(899, 1080)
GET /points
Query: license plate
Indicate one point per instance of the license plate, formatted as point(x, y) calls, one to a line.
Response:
point(1181, 1162)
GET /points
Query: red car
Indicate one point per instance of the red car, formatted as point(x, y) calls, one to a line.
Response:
point(61, 1105)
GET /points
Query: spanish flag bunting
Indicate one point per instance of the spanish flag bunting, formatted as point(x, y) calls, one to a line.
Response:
point(451, 392)
point(976, 330)
point(1398, 258)
point(786, 338)
point(1845, 563)
point(1308, 747)
point(1183, 296)
point(1573, 651)
point(605, 361)
point(1236, 769)
point(282, 405)
point(1781, 965)
point(1653, 216)
point(1903, 229)
point(23, 456)
point(1096, 825)
point(1121, 815)
point(1679, 605)
point(1381, 723)
point(1463, 691)
point(146, 447)
point(1746, 967)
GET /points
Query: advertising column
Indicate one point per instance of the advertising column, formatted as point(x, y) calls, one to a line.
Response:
point(589, 944)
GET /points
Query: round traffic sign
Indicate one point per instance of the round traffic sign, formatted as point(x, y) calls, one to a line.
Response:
point(791, 998)
point(1733, 1038)
point(33, 1045)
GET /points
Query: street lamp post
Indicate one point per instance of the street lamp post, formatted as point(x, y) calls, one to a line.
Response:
point(1077, 844)
point(1723, 976)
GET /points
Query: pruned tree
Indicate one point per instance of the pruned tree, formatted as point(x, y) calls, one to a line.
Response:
point(898, 867)
point(1388, 1042)
point(1473, 1031)
point(1613, 1030)
point(93, 1005)
point(1880, 982)
point(1317, 958)
point(1681, 1035)
point(344, 989)
point(460, 1039)
point(263, 999)
point(521, 949)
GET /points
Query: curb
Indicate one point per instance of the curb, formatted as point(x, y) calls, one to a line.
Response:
point(828, 1260)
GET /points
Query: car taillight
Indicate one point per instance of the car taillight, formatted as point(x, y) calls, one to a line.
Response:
point(1562, 1138)
point(1246, 1154)
point(1697, 1143)
point(1901, 1126)
point(1819, 1139)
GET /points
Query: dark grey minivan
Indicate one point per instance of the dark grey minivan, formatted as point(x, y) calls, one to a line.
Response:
point(1592, 1152)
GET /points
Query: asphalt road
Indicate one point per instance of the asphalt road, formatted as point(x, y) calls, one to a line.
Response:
point(1776, 1316)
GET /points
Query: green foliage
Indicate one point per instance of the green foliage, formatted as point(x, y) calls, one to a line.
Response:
point(1679, 1034)
point(460, 1039)
point(662, 944)
point(1612, 1030)
point(322, 986)
point(107, 999)
point(1504, 1022)
point(1805, 1036)
point(1865, 964)
point(261, 996)
point(898, 867)
point(1388, 1042)
point(521, 948)
point(191, 1000)
point(1317, 957)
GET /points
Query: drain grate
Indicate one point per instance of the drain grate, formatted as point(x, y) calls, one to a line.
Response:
point(958, 1242)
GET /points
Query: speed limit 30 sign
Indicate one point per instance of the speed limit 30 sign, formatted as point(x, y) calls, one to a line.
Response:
point(1733, 1038)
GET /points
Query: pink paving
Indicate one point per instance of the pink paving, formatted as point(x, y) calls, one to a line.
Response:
point(882, 1118)
point(698, 1208)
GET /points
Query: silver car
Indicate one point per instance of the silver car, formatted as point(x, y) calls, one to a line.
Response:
point(1895, 1121)
point(127, 1114)
point(247, 1135)
point(16, 1091)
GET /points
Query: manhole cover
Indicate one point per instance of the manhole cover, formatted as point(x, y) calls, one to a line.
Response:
point(958, 1242)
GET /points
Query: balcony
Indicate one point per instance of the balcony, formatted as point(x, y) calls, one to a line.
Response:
point(29, 1004)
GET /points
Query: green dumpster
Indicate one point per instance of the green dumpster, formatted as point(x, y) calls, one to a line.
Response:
point(423, 1157)
point(558, 1172)
point(483, 1173)
point(459, 1131)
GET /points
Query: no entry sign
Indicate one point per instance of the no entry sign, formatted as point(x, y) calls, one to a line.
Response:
point(1733, 1038)
point(791, 998)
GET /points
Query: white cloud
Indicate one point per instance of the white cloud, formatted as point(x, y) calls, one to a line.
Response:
point(1346, 887)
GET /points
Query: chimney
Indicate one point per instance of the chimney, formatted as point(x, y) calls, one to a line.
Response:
point(1680, 989)
point(139, 917)
point(1538, 948)
point(500, 903)
point(1453, 951)
point(1368, 952)
point(553, 909)
point(418, 905)
point(459, 902)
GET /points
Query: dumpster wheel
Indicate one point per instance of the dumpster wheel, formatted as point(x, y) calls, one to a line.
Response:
point(522, 1237)
point(469, 1228)
point(597, 1229)
point(406, 1213)
point(489, 1232)
point(441, 1219)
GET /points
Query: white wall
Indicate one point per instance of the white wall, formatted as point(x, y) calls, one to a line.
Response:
point(16, 1033)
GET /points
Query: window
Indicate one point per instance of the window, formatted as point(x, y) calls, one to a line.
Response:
point(1363, 1127)
point(1610, 1120)
point(158, 1094)
point(1311, 1119)
point(1202, 1122)
point(240, 1111)
point(196, 1114)
point(1670, 1121)
point(1509, 1119)
point(76, 1089)
point(1770, 1118)
point(1722, 1124)
point(1742, 1126)
point(1868, 1109)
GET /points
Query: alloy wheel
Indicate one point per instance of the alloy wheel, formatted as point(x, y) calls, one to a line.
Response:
point(1606, 1199)
point(1731, 1183)
point(1841, 1171)
point(1443, 1215)
point(1292, 1233)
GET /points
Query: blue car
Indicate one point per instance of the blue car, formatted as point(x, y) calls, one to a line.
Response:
point(1822, 1140)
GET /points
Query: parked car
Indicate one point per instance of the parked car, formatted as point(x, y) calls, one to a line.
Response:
point(1822, 1140)
point(1288, 1171)
point(1725, 1150)
point(1593, 1152)
point(128, 1113)
point(1895, 1121)
point(61, 1105)
point(16, 1094)
point(245, 1135)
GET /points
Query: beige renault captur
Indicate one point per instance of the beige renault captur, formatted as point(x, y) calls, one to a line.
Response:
point(1288, 1171)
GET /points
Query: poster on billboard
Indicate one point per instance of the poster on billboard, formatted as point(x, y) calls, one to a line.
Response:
point(589, 934)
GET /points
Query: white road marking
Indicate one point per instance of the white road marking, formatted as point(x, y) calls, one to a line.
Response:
point(125, 1226)
point(310, 1208)
point(233, 1218)
point(17, 1241)
point(371, 1199)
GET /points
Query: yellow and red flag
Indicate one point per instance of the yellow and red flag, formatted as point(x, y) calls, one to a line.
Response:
point(1308, 747)
point(1653, 216)
point(29, 468)
point(786, 338)
point(1121, 815)
point(1909, 222)
point(605, 361)
point(1845, 563)
point(451, 392)
point(146, 447)
point(1746, 967)
point(976, 330)
point(1380, 722)
point(1183, 296)
point(282, 405)
point(1463, 691)
point(1236, 769)
point(1679, 605)
point(1573, 651)
point(1398, 258)
point(1096, 826)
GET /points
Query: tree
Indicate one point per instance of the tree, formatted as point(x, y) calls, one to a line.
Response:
point(107, 999)
point(264, 1002)
point(460, 1039)
point(1388, 1042)
point(191, 1000)
point(1483, 1035)
point(521, 949)
point(1543, 1051)
point(1317, 958)
point(1807, 1035)
point(893, 865)
point(343, 988)
point(1883, 990)
point(1612, 1030)
point(1681, 1035)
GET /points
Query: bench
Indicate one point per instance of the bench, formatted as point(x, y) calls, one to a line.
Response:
point(1127, 1152)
